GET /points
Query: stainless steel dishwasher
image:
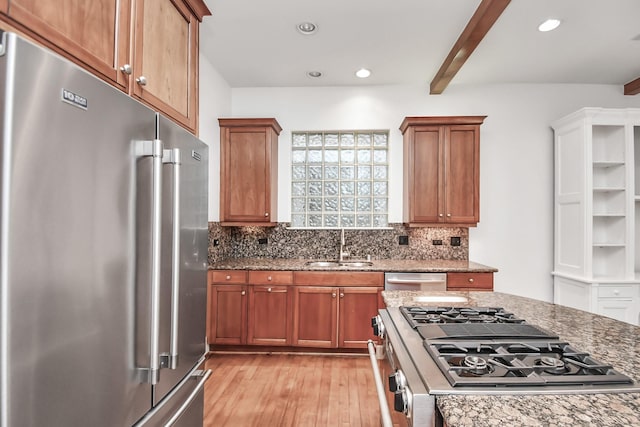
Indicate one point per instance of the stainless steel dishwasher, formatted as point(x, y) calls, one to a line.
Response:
point(415, 281)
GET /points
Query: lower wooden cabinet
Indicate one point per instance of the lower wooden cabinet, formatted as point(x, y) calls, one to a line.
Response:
point(228, 314)
point(253, 308)
point(469, 281)
point(274, 309)
point(315, 317)
point(335, 316)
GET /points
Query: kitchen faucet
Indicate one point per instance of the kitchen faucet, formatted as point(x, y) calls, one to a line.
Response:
point(343, 254)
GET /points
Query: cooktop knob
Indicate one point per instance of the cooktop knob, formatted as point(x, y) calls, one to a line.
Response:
point(400, 402)
point(378, 326)
point(397, 382)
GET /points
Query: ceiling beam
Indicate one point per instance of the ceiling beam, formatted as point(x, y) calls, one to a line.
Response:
point(481, 22)
point(633, 87)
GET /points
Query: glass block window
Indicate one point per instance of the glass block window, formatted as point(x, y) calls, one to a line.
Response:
point(339, 179)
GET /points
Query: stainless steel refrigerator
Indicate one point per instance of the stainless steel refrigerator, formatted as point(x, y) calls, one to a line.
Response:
point(103, 252)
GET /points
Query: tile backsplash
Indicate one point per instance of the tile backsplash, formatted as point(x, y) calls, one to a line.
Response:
point(282, 242)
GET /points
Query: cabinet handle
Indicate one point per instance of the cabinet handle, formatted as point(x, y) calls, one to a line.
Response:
point(441, 215)
point(228, 277)
point(449, 215)
point(616, 292)
point(269, 278)
point(268, 289)
point(470, 279)
point(126, 68)
point(341, 295)
point(266, 214)
point(333, 295)
point(142, 81)
point(243, 293)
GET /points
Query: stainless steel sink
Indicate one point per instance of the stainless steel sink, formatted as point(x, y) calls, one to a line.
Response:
point(335, 264)
point(322, 264)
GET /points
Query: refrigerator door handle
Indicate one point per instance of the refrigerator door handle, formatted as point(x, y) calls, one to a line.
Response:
point(154, 149)
point(170, 360)
point(185, 405)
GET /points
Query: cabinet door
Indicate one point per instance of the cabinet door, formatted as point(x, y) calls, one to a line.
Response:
point(315, 316)
point(166, 60)
point(425, 176)
point(245, 185)
point(95, 32)
point(357, 306)
point(269, 315)
point(462, 156)
point(228, 314)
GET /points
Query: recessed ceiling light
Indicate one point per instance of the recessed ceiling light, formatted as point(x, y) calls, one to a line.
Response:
point(314, 74)
point(549, 24)
point(307, 28)
point(363, 73)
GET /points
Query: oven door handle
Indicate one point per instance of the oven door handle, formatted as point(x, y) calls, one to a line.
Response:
point(382, 400)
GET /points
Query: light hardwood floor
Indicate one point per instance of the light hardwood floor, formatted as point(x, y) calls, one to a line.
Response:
point(290, 390)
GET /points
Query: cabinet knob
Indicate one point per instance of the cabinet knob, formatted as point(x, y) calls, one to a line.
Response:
point(268, 289)
point(333, 295)
point(243, 293)
point(228, 277)
point(616, 292)
point(341, 295)
point(470, 279)
point(449, 215)
point(269, 278)
point(126, 68)
point(266, 214)
point(142, 81)
point(441, 215)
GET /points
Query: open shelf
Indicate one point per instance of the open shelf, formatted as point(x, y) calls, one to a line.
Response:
point(609, 261)
point(608, 143)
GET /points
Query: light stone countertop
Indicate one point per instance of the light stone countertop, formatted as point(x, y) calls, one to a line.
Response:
point(608, 340)
point(386, 265)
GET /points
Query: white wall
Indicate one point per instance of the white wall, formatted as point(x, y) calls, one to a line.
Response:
point(515, 233)
point(215, 101)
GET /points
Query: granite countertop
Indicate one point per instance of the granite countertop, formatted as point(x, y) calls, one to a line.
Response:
point(387, 265)
point(608, 340)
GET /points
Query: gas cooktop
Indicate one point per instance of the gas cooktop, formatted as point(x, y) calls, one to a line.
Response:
point(417, 316)
point(488, 346)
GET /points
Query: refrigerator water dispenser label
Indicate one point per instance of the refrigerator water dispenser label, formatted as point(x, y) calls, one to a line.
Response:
point(74, 99)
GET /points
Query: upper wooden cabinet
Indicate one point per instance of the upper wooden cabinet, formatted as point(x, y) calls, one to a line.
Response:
point(147, 48)
point(248, 171)
point(165, 57)
point(441, 170)
point(96, 33)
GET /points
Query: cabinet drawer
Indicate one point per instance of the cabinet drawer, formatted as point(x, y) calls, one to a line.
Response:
point(470, 280)
point(270, 277)
point(229, 276)
point(617, 291)
point(329, 278)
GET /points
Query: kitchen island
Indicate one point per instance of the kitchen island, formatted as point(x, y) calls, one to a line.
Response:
point(608, 340)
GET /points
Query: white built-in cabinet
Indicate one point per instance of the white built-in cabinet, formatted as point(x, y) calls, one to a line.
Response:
point(597, 212)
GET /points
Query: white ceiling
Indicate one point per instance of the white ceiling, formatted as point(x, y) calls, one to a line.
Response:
point(254, 43)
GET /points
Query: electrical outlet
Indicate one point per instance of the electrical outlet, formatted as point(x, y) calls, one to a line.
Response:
point(216, 242)
point(403, 240)
point(455, 241)
point(437, 242)
point(262, 241)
